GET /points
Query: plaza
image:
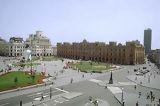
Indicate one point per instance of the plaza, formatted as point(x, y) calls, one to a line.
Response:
point(73, 88)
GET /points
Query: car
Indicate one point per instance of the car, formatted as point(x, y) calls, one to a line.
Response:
point(139, 73)
point(135, 70)
point(144, 67)
point(144, 71)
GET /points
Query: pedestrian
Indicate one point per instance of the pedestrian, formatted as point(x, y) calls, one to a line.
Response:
point(106, 86)
point(137, 103)
point(21, 103)
point(135, 87)
point(153, 98)
point(147, 96)
point(151, 93)
point(139, 94)
point(148, 79)
point(141, 82)
point(123, 104)
point(71, 80)
point(136, 78)
point(83, 76)
point(32, 104)
point(90, 98)
point(42, 98)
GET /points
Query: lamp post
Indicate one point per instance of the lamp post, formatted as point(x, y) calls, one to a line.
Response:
point(31, 55)
point(50, 91)
point(122, 98)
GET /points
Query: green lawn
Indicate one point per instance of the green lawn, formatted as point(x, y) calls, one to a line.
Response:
point(95, 67)
point(7, 80)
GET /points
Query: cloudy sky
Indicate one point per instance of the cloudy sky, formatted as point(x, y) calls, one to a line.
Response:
point(74, 20)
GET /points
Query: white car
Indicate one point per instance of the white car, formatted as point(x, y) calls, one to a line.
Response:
point(139, 73)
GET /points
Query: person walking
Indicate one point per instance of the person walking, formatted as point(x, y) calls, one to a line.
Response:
point(32, 104)
point(135, 87)
point(137, 103)
point(71, 80)
point(83, 76)
point(21, 103)
point(139, 94)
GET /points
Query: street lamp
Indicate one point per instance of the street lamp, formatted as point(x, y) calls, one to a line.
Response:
point(122, 96)
point(50, 91)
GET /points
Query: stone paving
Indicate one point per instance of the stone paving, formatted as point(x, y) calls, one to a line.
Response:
point(100, 103)
point(54, 68)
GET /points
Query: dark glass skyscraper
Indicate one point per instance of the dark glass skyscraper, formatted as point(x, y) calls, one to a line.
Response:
point(147, 40)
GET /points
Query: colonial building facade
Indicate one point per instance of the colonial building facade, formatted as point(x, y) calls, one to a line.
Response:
point(131, 53)
point(39, 44)
point(16, 47)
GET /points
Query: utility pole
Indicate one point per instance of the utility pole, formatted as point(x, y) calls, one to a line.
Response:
point(31, 55)
point(50, 92)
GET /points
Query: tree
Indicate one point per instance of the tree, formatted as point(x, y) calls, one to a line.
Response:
point(33, 77)
point(15, 80)
point(22, 65)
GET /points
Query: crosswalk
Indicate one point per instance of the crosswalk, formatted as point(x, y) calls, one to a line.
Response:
point(117, 83)
point(61, 97)
point(95, 80)
point(127, 83)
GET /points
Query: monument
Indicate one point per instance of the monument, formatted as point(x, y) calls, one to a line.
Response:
point(111, 79)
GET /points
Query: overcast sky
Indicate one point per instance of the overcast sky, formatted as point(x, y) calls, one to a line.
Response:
point(74, 20)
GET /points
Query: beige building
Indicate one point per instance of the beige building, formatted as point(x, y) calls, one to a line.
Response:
point(4, 47)
point(16, 47)
point(39, 44)
point(131, 53)
point(54, 51)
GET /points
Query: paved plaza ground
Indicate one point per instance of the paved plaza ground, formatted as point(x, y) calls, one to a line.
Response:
point(72, 88)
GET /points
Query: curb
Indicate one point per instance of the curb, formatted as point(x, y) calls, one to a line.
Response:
point(117, 99)
point(24, 88)
point(143, 85)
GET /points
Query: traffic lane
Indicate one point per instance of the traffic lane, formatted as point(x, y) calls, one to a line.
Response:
point(88, 89)
point(14, 101)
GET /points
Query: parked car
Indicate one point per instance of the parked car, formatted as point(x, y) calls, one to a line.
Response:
point(144, 67)
point(135, 70)
point(144, 71)
point(139, 73)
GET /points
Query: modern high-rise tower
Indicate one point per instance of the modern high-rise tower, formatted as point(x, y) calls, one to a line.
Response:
point(147, 40)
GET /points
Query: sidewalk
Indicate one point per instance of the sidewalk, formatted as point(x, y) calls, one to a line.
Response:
point(129, 98)
point(100, 103)
point(60, 98)
point(146, 81)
